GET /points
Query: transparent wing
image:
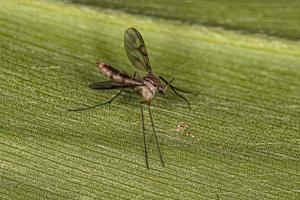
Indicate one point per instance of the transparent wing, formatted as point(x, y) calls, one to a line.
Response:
point(136, 49)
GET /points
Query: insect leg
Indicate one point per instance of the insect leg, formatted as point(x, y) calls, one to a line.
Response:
point(174, 89)
point(101, 104)
point(185, 99)
point(168, 84)
point(157, 144)
point(144, 136)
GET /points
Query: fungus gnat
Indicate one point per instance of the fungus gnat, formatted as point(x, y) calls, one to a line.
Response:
point(145, 87)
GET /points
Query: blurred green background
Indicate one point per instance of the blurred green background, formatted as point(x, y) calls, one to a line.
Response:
point(242, 137)
point(273, 17)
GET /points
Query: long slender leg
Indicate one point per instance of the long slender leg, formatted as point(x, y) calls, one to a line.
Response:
point(157, 144)
point(173, 88)
point(184, 91)
point(185, 99)
point(101, 104)
point(144, 136)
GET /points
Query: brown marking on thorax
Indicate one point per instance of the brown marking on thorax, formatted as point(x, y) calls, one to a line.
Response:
point(116, 75)
point(149, 88)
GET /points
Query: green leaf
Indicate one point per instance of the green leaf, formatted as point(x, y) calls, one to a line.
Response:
point(239, 141)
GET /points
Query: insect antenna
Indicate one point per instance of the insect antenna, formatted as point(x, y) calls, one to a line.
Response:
point(98, 105)
point(174, 89)
point(157, 144)
point(144, 137)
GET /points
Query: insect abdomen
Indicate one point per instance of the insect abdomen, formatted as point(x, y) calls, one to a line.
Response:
point(116, 75)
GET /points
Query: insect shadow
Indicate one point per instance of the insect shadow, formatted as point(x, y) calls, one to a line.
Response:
point(146, 87)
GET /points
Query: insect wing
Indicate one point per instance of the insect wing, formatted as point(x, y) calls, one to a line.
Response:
point(106, 85)
point(136, 49)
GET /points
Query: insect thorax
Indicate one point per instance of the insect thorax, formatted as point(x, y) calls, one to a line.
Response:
point(147, 91)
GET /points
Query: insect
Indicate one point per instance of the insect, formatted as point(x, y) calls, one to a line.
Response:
point(145, 87)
